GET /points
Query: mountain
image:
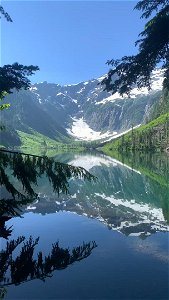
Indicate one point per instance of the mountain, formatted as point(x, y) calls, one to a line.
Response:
point(79, 111)
point(27, 115)
point(152, 136)
point(161, 107)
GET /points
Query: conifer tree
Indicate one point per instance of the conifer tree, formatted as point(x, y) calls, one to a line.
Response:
point(153, 48)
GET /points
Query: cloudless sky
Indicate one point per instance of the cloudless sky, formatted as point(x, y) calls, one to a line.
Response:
point(70, 41)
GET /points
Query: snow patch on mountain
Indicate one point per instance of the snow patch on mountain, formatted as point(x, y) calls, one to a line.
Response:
point(33, 88)
point(60, 94)
point(156, 85)
point(102, 77)
point(81, 130)
point(111, 98)
point(81, 90)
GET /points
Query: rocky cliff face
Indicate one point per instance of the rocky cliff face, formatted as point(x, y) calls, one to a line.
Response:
point(161, 106)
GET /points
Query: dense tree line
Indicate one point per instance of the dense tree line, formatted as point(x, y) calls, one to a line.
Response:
point(150, 139)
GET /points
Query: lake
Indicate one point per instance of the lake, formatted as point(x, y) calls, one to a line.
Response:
point(105, 239)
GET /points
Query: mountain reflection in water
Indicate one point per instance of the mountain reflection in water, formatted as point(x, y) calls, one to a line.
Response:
point(131, 200)
point(130, 196)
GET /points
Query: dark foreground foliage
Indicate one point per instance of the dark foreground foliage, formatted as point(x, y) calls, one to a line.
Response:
point(153, 46)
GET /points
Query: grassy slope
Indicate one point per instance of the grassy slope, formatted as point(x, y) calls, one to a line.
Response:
point(156, 132)
point(36, 140)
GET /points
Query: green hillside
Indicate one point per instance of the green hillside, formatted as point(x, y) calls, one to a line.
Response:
point(35, 139)
point(36, 142)
point(153, 136)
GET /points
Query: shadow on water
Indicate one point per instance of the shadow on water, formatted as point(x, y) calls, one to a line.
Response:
point(18, 176)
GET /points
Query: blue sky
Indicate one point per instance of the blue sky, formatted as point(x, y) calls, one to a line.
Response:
point(70, 41)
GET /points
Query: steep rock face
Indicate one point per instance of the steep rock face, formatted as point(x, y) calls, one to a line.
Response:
point(161, 106)
point(121, 114)
point(55, 110)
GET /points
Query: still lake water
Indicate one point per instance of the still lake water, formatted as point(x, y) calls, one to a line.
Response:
point(120, 222)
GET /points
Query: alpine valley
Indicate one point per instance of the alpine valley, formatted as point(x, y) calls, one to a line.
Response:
point(49, 114)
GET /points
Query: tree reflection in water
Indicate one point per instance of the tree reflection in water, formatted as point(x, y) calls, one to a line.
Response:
point(26, 169)
point(25, 267)
point(10, 208)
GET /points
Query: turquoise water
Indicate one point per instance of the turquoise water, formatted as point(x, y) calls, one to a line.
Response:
point(122, 216)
